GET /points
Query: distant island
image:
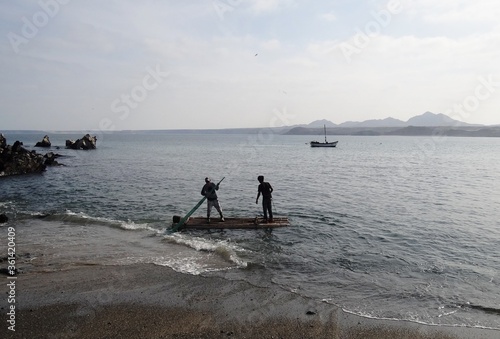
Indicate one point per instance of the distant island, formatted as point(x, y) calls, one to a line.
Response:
point(427, 119)
point(492, 131)
point(427, 124)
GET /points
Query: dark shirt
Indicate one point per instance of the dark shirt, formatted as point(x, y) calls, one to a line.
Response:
point(265, 189)
point(208, 191)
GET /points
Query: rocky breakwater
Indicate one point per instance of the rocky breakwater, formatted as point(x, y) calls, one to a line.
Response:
point(87, 142)
point(15, 159)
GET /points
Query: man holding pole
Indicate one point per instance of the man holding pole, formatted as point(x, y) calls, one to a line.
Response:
point(208, 191)
point(265, 189)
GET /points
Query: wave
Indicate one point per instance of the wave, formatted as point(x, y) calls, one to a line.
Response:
point(222, 248)
point(425, 320)
point(82, 218)
point(367, 315)
point(5, 203)
point(486, 309)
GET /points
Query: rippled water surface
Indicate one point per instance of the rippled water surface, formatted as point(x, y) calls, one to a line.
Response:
point(389, 227)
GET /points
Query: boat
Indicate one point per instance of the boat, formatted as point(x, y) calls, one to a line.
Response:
point(231, 223)
point(323, 144)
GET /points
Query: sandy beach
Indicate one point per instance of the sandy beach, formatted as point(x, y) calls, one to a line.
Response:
point(148, 301)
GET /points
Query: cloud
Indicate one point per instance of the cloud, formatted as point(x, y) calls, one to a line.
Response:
point(91, 53)
point(328, 16)
point(271, 45)
point(457, 12)
point(266, 6)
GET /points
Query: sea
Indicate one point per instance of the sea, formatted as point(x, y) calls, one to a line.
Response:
point(387, 227)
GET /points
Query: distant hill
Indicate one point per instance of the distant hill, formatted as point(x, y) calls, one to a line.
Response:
point(459, 131)
point(321, 123)
point(387, 122)
point(427, 123)
point(432, 119)
point(427, 119)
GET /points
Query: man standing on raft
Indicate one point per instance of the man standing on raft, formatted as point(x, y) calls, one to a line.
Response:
point(266, 189)
point(208, 191)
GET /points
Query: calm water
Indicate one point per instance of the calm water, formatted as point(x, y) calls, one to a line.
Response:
point(386, 227)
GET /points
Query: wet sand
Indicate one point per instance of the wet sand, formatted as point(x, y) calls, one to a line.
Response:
point(148, 301)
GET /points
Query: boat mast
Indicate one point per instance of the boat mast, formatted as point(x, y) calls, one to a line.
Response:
point(324, 126)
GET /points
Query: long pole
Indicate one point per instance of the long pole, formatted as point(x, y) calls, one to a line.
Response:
point(176, 227)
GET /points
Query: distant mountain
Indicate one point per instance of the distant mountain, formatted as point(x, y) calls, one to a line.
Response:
point(455, 131)
point(432, 119)
point(387, 122)
point(321, 123)
point(427, 119)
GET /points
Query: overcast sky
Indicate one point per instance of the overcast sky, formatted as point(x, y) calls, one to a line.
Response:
point(89, 65)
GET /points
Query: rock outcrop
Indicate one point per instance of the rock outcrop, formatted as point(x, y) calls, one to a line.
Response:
point(87, 142)
point(16, 159)
point(44, 143)
point(50, 159)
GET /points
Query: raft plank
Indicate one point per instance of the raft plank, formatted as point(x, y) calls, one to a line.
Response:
point(234, 223)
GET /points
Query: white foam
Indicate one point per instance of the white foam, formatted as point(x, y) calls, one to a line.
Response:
point(223, 248)
point(128, 225)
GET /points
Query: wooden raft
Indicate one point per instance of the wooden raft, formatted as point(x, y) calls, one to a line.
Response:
point(234, 223)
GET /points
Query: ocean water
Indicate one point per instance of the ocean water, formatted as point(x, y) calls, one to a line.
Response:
point(401, 228)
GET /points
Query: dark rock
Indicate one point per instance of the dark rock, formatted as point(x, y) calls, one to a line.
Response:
point(3, 218)
point(16, 159)
point(3, 141)
point(18, 147)
point(50, 159)
point(44, 143)
point(87, 142)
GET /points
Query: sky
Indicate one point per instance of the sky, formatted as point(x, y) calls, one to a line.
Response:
point(198, 64)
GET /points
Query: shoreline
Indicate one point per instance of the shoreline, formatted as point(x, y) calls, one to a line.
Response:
point(150, 301)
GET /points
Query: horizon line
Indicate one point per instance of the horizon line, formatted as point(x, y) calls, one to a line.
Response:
point(232, 128)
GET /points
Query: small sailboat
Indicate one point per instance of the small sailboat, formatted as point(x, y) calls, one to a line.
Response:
point(323, 144)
